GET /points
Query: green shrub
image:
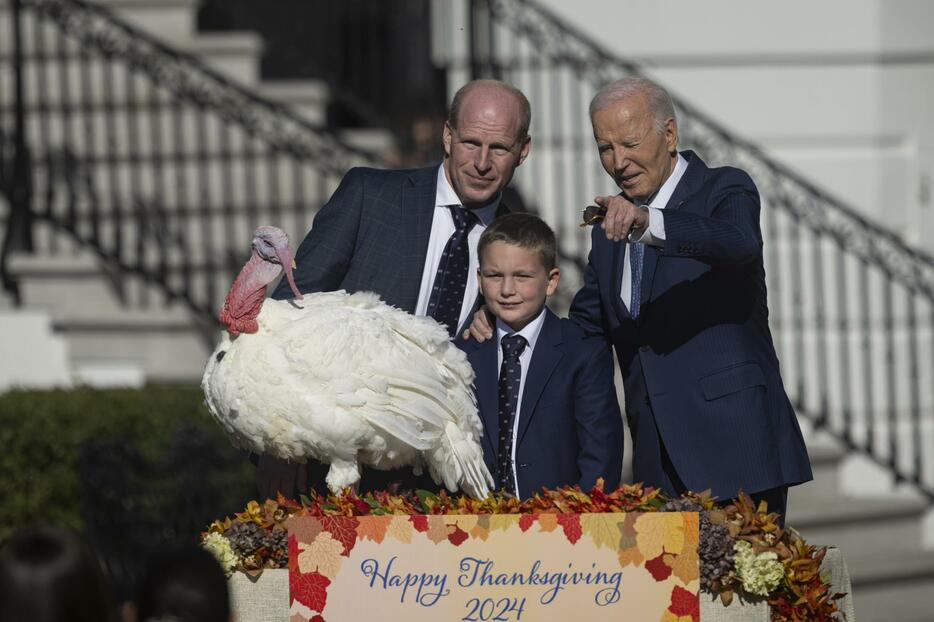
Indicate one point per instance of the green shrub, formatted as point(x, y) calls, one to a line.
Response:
point(41, 433)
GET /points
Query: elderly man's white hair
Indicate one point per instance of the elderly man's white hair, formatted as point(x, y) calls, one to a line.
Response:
point(659, 101)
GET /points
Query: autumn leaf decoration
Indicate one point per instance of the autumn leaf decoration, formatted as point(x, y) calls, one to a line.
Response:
point(316, 556)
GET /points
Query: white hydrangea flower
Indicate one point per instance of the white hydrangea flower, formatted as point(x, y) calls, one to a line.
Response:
point(220, 548)
point(760, 574)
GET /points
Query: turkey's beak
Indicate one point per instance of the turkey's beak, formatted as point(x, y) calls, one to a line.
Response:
point(288, 264)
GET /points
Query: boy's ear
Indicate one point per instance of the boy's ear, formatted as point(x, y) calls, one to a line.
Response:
point(554, 275)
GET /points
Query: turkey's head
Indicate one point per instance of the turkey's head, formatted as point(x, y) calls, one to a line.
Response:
point(272, 245)
point(271, 254)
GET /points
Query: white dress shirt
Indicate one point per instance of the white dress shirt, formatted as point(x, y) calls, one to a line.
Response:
point(654, 234)
point(442, 227)
point(531, 333)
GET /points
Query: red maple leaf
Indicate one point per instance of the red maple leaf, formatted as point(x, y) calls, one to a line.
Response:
point(457, 536)
point(420, 521)
point(343, 529)
point(317, 618)
point(526, 521)
point(310, 589)
point(571, 523)
point(658, 569)
point(293, 554)
point(599, 499)
point(684, 603)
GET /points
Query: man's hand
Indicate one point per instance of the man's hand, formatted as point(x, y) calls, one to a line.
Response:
point(274, 475)
point(622, 217)
point(481, 328)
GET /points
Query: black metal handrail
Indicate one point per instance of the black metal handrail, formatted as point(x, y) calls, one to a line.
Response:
point(852, 306)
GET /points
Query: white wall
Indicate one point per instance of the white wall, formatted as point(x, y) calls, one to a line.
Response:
point(841, 90)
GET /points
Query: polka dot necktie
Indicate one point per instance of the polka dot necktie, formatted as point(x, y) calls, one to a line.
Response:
point(447, 293)
point(510, 375)
point(636, 259)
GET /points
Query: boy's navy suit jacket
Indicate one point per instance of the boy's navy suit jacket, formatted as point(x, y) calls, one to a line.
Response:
point(570, 428)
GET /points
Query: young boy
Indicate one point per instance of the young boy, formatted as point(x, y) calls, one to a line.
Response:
point(545, 392)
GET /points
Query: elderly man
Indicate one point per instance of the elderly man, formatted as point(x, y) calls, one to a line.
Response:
point(411, 235)
point(676, 282)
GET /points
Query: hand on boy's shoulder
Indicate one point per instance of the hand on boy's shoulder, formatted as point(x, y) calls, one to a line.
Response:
point(481, 327)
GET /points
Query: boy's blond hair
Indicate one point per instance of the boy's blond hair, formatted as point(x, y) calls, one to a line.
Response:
point(525, 230)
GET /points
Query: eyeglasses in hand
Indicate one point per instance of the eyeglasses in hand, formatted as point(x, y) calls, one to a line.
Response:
point(592, 214)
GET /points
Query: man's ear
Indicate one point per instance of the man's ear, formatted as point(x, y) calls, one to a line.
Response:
point(524, 151)
point(446, 139)
point(554, 276)
point(671, 136)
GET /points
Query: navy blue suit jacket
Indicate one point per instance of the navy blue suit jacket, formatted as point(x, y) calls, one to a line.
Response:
point(699, 362)
point(570, 428)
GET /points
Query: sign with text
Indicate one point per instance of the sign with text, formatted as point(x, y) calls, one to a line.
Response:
point(500, 567)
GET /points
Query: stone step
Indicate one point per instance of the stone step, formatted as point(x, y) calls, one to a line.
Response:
point(78, 287)
point(308, 98)
point(825, 465)
point(136, 342)
point(173, 22)
point(894, 587)
point(873, 527)
point(235, 55)
point(371, 140)
point(34, 357)
point(160, 18)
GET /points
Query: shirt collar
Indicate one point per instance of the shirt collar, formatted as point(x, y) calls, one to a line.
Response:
point(445, 196)
point(531, 331)
point(668, 188)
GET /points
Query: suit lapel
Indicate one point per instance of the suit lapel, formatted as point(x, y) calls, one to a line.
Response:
point(419, 191)
point(693, 177)
point(545, 358)
point(483, 358)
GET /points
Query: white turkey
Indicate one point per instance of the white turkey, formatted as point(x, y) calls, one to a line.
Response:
point(342, 378)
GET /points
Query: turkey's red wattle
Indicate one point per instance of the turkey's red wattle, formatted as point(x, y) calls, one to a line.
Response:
point(245, 299)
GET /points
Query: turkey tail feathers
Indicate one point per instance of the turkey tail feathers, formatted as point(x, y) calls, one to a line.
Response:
point(463, 466)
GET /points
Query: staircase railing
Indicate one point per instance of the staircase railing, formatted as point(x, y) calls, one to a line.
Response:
point(146, 156)
point(852, 306)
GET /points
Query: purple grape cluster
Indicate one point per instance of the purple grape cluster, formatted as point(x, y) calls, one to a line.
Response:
point(682, 504)
point(715, 550)
point(277, 543)
point(716, 544)
point(246, 538)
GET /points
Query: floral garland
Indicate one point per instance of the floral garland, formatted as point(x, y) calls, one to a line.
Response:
point(743, 550)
